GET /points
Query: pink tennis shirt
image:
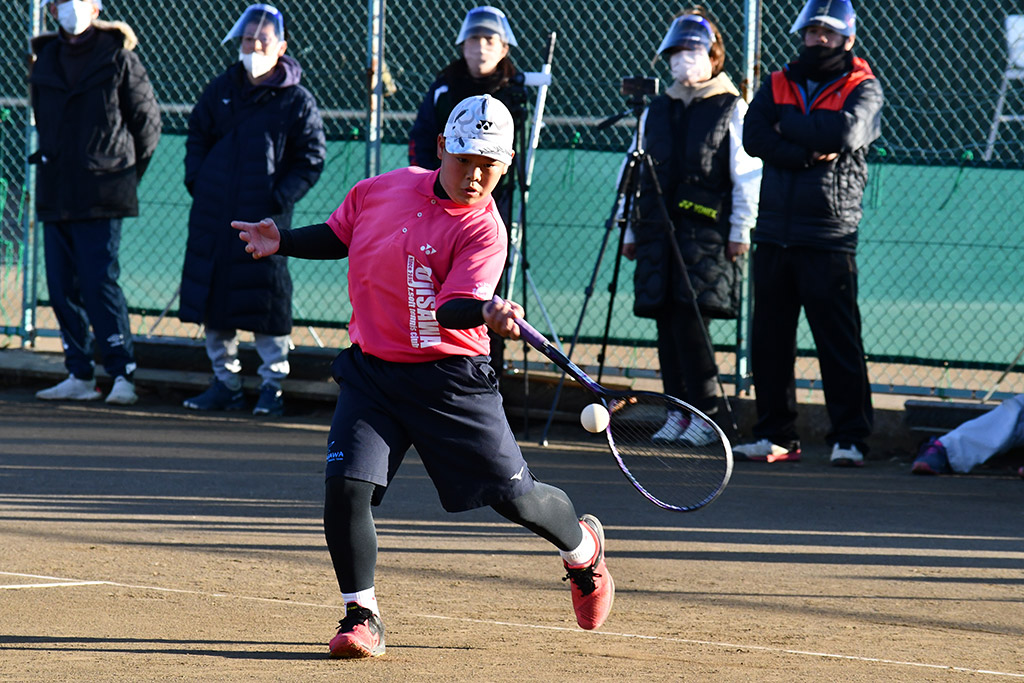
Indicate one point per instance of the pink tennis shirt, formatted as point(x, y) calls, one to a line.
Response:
point(409, 252)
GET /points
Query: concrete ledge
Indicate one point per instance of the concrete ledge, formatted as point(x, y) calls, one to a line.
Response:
point(934, 417)
point(169, 365)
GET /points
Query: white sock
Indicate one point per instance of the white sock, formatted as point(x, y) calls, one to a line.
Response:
point(583, 554)
point(364, 598)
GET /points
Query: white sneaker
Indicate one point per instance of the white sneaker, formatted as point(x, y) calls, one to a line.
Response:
point(698, 433)
point(673, 427)
point(122, 393)
point(765, 451)
point(846, 457)
point(71, 389)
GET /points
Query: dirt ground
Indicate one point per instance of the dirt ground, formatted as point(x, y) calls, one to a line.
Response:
point(147, 544)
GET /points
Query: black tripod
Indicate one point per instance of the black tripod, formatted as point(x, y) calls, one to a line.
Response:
point(625, 211)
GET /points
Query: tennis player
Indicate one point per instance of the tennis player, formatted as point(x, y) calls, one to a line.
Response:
point(425, 251)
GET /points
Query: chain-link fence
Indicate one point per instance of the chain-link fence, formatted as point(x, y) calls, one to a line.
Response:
point(941, 292)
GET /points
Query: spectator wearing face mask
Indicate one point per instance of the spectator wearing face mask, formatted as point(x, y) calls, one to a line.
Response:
point(483, 67)
point(812, 123)
point(709, 187)
point(98, 125)
point(255, 147)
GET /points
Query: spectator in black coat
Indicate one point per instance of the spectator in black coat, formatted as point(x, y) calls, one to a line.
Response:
point(483, 67)
point(709, 183)
point(255, 147)
point(98, 125)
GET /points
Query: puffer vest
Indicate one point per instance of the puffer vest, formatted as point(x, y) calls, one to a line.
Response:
point(689, 146)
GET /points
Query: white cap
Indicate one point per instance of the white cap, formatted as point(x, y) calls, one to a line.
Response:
point(480, 125)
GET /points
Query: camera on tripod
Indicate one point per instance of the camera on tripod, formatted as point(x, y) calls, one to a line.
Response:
point(638, 86)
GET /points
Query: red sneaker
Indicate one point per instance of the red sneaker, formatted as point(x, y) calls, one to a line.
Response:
point(360, 634)
point(593, 590)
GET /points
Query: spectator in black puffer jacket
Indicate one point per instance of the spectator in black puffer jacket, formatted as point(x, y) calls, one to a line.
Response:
point(812, 123)
point(98, 125)
point(482, 68)
point(693, 133)
point(255, 147)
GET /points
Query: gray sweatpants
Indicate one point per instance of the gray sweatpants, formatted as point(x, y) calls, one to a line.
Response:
point(977, 440)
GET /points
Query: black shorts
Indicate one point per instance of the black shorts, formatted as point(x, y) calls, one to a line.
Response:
point(449, 410)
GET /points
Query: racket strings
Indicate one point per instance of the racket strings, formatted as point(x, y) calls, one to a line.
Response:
point(685, 467)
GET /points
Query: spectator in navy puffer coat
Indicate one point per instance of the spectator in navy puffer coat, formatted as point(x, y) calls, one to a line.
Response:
point(255, 147)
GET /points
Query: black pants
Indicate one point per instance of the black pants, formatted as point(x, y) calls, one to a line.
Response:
point(81, 276)
point(688, 368)
point(824, 284)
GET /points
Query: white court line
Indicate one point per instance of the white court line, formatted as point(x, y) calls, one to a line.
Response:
point(52, 585)
point(161, 589)
point(731, 646)
point(607, 634)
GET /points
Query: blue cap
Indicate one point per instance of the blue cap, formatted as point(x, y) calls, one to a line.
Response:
point(260, 14)
point(98, 3)
point(838, 15)
point(486, 20)
point(690, 31)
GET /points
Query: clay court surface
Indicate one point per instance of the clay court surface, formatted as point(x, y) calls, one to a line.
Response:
point(147, 544)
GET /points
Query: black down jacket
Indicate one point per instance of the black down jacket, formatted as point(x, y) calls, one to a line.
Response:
point(690, 149)
point(806, 203)
point(96, 135)
point(252, 153)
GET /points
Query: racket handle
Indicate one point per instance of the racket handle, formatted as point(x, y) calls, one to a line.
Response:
point(527, 331)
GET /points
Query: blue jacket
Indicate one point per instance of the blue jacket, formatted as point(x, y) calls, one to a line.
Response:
point(252, 152)
point(803, 202)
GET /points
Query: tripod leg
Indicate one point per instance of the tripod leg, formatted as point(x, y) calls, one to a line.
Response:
point(621, 207)
point(685, 278)
point(589, 291)
point(613, 288)
point(163, 313)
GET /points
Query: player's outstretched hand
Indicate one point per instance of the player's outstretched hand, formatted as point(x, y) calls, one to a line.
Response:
point(500, 316)
point(262, 239)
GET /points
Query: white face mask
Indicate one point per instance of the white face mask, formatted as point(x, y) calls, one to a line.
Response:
point(75, 16)
point(690, 67)
point(257, 63)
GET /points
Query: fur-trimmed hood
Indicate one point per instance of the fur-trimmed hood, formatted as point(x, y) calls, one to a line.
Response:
point(130, 40)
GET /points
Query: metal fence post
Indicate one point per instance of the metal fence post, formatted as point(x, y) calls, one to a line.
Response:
point(30, 244)
point(374, 70)
point(751, 81)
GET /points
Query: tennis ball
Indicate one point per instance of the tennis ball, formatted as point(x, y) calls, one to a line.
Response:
point(594, 418)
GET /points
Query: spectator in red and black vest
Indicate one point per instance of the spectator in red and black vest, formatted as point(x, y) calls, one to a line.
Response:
point(812, 124)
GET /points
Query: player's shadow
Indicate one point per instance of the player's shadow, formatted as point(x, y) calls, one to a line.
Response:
point(166, 646)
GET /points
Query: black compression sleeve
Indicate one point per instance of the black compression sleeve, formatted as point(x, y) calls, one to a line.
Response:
point(312, 242)
point(461, 314)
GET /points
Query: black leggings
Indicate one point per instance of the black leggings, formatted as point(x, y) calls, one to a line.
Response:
point(352, 537)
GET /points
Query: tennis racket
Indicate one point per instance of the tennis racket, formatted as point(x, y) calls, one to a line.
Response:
point(680, 475)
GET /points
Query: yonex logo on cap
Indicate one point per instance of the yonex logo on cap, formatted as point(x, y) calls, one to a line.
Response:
point(480, 125)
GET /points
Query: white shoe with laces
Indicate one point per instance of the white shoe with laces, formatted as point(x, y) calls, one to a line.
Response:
point(122, 393)
point(71, 389)
point(698, 433)
point(849, 456)
point(673, 428)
